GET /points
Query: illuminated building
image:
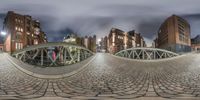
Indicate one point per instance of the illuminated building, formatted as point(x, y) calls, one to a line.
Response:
point(87, 42)
point(119, 40)
point(22, 31)
point(174, 35)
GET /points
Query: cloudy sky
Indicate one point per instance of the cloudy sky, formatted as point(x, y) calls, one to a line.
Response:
point(89, 17)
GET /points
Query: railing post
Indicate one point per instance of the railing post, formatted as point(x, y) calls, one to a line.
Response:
point(64, 55)
point(42, 57)
point(78, 54)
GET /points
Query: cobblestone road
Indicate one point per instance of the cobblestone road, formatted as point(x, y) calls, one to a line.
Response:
point(108, 77)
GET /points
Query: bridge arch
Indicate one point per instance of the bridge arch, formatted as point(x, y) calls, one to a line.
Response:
point(146, 53)
point(53, 54)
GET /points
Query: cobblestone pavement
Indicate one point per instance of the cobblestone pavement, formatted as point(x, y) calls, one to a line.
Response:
point(109, 77)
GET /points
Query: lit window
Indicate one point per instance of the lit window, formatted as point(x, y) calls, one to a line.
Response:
point(16, 28)
point(16, 45)
point(21, 29)
point(21, 46)
point(35, 42)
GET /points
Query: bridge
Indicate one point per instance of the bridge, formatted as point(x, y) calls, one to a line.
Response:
point(146, 53)
point(103, 76)
point(53, 54)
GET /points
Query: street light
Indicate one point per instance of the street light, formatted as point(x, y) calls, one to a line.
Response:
point(3, 33)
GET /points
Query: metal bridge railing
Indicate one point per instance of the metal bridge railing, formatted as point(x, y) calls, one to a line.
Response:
point(146, 53)
point(53, 54)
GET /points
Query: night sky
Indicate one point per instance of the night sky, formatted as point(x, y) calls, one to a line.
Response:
point(89, 17)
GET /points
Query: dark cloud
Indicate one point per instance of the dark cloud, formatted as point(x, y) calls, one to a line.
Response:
point(58, 36)
point(148, 28)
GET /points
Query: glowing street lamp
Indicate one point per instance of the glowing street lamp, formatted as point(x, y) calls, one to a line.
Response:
point(99, 40)
point(3, 33)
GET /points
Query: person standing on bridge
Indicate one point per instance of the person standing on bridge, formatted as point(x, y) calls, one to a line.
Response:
point(54, 55)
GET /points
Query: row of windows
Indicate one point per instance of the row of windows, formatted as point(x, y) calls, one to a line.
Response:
point(181, 20)
point(19, 29)
point(18, 46)
point(18, 21)
point(181, 30)
point(183, 38)
point(181, 25)
point(120, 37)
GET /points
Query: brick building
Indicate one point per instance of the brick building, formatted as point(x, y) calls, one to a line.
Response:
point(90, 43)
point(174, 35)
point(104, 44)
point(120, 40)
point(195, 44)
point(22, 31)
point(87, 42)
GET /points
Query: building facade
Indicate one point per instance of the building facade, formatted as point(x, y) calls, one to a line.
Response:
point(103, 44)
point(22, 31)
point(195, 44)
point(119, 40)
point(174, 35)
point(87, 42)
point(91, 43)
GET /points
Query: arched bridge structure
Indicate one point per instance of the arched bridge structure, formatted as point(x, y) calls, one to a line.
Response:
point(53, 54)
point(146, 53)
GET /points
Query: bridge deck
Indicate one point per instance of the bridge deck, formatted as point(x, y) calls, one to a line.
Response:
point(108, 77)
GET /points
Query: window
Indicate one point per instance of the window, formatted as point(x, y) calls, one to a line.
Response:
point(18, 35)
point(35, 41)
point(120, 37)
point(21, 46)
point(21, 30)
point(182, 37)
point(18, 46)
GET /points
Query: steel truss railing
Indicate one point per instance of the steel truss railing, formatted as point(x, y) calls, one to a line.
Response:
point(146, 53)
point(53, 54)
